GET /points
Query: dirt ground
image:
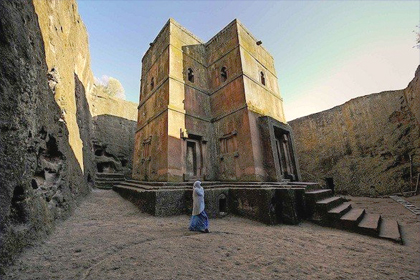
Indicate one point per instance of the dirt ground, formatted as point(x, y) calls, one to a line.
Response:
point(109, 238)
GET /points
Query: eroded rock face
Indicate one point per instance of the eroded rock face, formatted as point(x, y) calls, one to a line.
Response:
point(412, 95)
point(85, 129)
point(47, 159)
point(67, 54)
point(114, 125)
point(113, 144)
point(41, 179)
point(71, 79)
point(365, 145)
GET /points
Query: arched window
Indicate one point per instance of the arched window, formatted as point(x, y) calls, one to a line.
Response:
point(152, 83)
point(190, 75)
point(262, 78)
point(223, 74)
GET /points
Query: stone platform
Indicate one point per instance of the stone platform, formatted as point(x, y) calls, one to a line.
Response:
point(267, 202)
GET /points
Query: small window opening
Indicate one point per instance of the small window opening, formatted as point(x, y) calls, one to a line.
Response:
point(152, 83)
point(223, 74)
point(262, 78)
point(190, 75)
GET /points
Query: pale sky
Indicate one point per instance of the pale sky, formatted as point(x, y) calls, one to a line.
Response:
point(325, 52)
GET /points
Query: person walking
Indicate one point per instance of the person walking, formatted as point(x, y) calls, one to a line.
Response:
point(199, 219)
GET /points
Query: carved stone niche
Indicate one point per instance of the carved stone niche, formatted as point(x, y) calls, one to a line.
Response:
point(228, 144)
point(146, 157)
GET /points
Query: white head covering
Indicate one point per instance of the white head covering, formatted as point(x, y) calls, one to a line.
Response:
point(198, 198)
point(197, 184)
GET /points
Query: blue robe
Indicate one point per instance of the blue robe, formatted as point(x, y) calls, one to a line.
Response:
point(199, 222)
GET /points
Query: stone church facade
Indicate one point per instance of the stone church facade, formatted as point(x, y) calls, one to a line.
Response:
point(211, 111)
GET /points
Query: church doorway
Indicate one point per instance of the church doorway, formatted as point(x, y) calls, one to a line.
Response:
point(284, 155)
point(194, 159)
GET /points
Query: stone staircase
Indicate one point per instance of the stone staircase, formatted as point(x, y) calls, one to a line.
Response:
point(327, 210)
point(108, 180)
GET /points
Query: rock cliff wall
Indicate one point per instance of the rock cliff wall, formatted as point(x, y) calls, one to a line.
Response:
point(366, 145)
point(41, 179)
point(412, 95)
point(49, 120)
point(81, 102)
point(67, 54)
point(114, 123)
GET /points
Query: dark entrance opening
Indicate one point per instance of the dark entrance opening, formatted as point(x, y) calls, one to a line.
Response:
point(191, 159)
point(34, 184)
point(18, 214)
point(329, 182)
point(222, 204)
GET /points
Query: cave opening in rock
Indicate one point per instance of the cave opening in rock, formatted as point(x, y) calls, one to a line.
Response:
point(99, 152)
point(52, 149)
point(34, 184)
point(17, 209)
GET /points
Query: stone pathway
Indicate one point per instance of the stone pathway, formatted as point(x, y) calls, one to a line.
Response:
point(109, 238)
point(406, 204)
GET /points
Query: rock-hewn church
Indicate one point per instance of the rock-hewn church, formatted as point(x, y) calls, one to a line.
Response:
point(211, 111)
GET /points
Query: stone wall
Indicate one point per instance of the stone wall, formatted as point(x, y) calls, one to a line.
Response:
point(51, 119)
point(113, 143)
point(41, 178)
point(151, 132)
point(270, 205)
point(87, 112)
point(365, 145)
point(114, 125)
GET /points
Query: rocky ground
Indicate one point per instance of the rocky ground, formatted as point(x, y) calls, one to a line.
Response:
point(109, 238)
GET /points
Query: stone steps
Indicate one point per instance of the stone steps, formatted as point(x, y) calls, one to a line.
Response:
point(335, 212)
point(351, 219)
point(319, 194)
point(108, 180)
point(109, 175)
point(369, 225)
point(339, 211)
point(320, 206)
point(311, 198)
point(390, 229)
point(328, 203)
